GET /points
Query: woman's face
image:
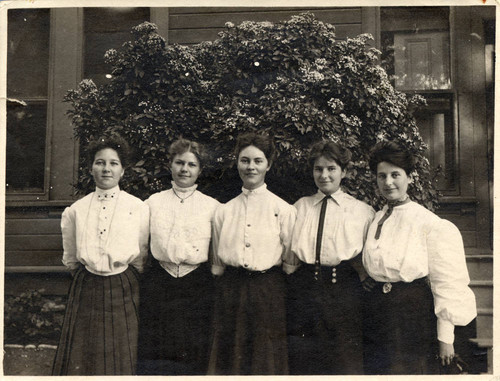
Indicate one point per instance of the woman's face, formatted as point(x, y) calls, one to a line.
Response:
point(252, 167)
point(392, 181)
point(107, 169)
point(327, 175)
point(185, 169)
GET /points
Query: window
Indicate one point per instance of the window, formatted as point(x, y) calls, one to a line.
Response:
point(416, 54)
point(104, 29)
point(27, 92)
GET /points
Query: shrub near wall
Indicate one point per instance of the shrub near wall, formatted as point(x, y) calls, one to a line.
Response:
point(292, 80)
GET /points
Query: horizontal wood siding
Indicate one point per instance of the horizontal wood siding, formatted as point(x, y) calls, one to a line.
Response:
point(194, 25)
point(47, 283)
point(23, 226)
point(33, 241)
point(34, 258)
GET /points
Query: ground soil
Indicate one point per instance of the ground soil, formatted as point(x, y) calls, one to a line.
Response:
point(28, 361)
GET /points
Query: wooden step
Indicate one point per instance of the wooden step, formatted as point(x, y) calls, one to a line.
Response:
point(483, 342)
point(483, 289)
point(480, 267)
point(484, 323)
point(486, 343)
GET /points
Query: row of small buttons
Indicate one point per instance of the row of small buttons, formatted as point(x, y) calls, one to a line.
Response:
point(334, 273)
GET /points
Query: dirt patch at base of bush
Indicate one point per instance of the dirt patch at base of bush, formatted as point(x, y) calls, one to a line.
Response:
point(29, 360)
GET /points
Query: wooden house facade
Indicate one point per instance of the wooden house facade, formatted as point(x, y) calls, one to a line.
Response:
point(443, 53)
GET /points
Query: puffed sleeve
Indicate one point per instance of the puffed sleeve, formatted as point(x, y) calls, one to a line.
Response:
point(287, 222)
point(368, 215)
point(454, 301)
point(216, 265)
point(293, 263)
point(68, 230)
point(140, 261)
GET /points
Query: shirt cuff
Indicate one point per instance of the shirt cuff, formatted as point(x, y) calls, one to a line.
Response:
point(289, 269)
point(71, 265)
point(445, 331)
point(217, 270)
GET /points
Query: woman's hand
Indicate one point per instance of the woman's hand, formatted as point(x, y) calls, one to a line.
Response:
point(446, 353)
point(368, 283)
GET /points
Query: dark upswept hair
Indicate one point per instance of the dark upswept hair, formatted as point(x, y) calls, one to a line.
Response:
point(263, 142)
point(393, 153)
point(331, 151)
point(115, 142)
point(182, 145)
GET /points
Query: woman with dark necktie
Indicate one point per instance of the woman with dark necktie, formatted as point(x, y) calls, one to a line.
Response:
point(324, 295)
point(418, 286)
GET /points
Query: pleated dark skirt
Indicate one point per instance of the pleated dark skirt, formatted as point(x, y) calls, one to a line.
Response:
point(249, 334)
point(400, 329)
point(175, 320)
point(325, 321)
point(99, 333)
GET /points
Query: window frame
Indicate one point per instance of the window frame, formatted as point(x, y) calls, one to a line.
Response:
point(43, 195)
point(452, 93)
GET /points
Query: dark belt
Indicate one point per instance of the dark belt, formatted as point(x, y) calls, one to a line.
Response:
point(387, 287)
point(244, 271)
point(333, 274)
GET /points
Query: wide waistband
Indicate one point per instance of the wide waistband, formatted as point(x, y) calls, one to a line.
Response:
point(334, 274)
point(388, 287)
point(178, 270)
point(123, 271)
point(243, 271)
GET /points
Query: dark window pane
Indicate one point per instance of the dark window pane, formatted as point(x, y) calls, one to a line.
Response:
point(104, 29)
point(416, 47)
point(28, 53)
point(435, 124)
point(26, 130)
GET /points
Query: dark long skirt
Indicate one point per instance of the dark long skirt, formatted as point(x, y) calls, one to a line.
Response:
point(400, 329)
point(175, 320)
point(249, 334)
point(325, 321)
point(99, 333)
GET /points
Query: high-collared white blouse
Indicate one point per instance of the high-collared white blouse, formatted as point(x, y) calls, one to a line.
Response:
point(414, 243)
point(106, 231)
point(253, 231)
point(181, 228)
point(346, 224)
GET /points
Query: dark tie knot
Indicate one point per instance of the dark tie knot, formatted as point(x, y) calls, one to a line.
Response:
point(392, 204)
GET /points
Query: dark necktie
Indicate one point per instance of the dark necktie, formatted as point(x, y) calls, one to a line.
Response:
point(319, 237)
point(388, 212)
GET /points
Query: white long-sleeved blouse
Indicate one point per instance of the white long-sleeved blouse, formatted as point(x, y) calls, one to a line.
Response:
point(106, 231)
point(253, 231)
point(346, 224)
point(181, 231)
point(414, 243)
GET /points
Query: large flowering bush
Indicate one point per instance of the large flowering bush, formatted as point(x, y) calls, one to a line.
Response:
point(292, 79)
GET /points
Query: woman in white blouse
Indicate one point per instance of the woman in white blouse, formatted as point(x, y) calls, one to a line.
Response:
point(177, 294)
point(325, 293)
point(105, 241)
point(252, 234)
point(418, 290)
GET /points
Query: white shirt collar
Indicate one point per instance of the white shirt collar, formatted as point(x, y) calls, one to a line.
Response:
point(107, 194)
point(258, 190)
point(336, 197)
point(178, 189)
